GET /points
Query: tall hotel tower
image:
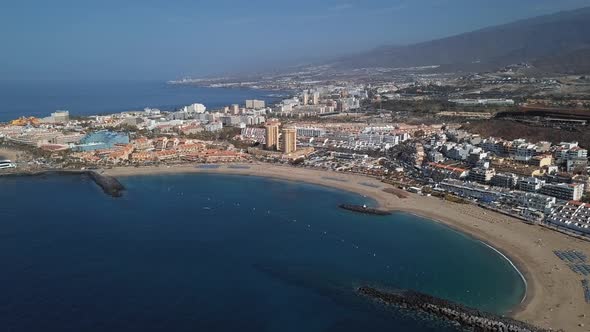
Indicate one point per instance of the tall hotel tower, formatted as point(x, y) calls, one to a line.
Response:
point(272, 136)
point(289, 140)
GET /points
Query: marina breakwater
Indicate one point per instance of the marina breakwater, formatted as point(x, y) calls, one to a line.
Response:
point(109, 184)
point(364, 209)
point(465, 317)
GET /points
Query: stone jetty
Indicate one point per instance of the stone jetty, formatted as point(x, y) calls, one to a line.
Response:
point(110, 185)
point(468, 318)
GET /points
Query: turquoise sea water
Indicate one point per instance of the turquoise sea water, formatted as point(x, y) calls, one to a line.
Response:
point(224, 253)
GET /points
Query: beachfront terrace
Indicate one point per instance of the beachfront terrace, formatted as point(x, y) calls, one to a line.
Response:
point(573, 215)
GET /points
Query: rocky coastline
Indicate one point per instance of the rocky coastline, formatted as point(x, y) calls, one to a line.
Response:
point(468, 318)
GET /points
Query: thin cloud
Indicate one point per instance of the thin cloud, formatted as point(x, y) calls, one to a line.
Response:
point(341, 7)
point(240, 20)
point(316, 17)
point(388, 9)
point(551, 6)
point(331, 12)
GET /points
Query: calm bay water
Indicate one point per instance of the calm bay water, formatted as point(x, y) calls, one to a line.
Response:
point(40, 98)
point(218, 252)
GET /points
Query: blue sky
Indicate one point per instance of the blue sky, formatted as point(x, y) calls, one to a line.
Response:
point(162, 39)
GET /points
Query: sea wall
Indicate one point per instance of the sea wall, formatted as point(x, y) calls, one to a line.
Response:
point(466, 317)
point(109, 184)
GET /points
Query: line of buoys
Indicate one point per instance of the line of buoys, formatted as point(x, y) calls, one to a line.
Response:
point(310, 228)
point(268, 213)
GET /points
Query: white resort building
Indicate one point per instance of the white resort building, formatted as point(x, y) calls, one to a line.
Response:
point(573, 215)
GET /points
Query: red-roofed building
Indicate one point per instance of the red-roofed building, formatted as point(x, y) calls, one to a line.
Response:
point(121, 154)
point(144, 156)
point(166, 155)
point(143, 144)
point(217, 156)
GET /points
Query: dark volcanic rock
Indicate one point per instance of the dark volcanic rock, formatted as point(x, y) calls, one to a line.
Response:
point(466, 317)
point(364, 209)
point(110, 185)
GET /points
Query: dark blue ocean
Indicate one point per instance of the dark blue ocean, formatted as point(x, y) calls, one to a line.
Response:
point(40, 98)
point(225, 253)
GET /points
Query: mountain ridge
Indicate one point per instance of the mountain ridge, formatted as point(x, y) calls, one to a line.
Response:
point(542, 40)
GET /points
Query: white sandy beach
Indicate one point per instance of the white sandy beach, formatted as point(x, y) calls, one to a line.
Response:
point(554, 295)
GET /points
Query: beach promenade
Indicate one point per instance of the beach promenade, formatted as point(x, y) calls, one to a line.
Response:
point(554, 296)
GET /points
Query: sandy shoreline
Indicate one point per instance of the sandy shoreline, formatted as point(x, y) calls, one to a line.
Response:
point(554, 296)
